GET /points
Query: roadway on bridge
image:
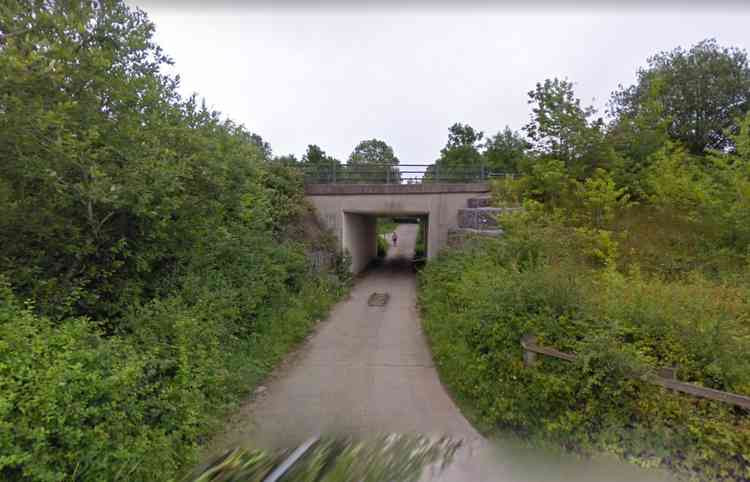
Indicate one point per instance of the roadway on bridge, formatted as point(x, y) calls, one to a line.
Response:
point(368, 370)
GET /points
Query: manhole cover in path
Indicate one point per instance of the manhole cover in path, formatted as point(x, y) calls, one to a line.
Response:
point(378, 299)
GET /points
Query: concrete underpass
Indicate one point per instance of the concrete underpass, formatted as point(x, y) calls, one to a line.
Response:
point(350, 211)
point(359, 235)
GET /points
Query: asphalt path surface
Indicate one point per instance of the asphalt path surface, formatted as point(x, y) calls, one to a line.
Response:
point(367, 370)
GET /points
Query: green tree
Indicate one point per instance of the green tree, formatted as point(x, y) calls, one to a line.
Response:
point(173, 233)
point(636, 137)
point(108, 174)
point(373, 151)
point(460, 158)
point(288, 160)
point(262, 145)
point(731, 199)
point(679, 185)
point(505, 151)
point(314, 156)
point(703, 92)
point(561, 129)
point(373, 161)
point(599, 199)
point(548, 182)
point(462, 135)
point(318, 165)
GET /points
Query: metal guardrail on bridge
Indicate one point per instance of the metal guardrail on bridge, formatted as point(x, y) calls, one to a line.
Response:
point(397, 174)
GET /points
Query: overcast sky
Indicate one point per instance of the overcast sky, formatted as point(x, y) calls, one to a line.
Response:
point(337, 76)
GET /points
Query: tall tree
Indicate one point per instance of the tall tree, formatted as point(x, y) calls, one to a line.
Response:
point(636, 137)
point(315, 156)
point(319, 165)
point(463, 135)
point(111, 174)
point(288, 160)
point(561, 129)
point(505, 151)
point(703, 91)
point(264, 146)
point(373, 151)
point(373, 161)
point(460, 157)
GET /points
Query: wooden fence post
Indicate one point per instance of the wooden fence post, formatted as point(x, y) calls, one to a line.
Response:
point(669, 373)
point(529, 357)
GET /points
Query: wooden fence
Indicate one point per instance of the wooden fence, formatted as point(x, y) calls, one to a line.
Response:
point(666, 378)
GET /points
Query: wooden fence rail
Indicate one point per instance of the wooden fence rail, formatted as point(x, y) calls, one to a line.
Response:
point(666, 377)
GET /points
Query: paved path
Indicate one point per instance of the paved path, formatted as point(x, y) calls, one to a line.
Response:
point(366, 370)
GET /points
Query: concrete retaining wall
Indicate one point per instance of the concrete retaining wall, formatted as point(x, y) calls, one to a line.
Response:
point(359, 238)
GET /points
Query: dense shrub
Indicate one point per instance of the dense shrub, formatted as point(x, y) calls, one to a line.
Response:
point(478, 303)
point(77, 403)
point(383, 245)
point(631, 251)
point(627, 286)
point(152, 255)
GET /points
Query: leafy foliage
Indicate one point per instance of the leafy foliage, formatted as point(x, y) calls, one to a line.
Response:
point(372, 161)
point(80, 404)
point(505, 152)
point(628, 283)
point(373, 151)
point(160, 252)
point(460, 158)
point(111, 178)
point(702, 91)
point(479, 302)
point(318, 165)
point(561, 129)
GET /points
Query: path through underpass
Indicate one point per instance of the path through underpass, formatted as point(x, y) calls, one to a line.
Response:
point(368, 370)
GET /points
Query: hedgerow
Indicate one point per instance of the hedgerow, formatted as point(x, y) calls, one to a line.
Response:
point(629, 287)
point(78, 403)
point(153, 257)
point(477, 304)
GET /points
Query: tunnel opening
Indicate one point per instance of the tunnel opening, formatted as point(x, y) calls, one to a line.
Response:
point(368, 239)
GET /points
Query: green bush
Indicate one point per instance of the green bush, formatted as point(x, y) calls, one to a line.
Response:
point(386, 225)
point(479, 302)
point(75, 404)
point(629, 287)
point(153, 257)
point(383, 246)
point(136, 406)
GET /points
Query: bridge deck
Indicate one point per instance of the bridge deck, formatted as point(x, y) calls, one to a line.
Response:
point(425, 188)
